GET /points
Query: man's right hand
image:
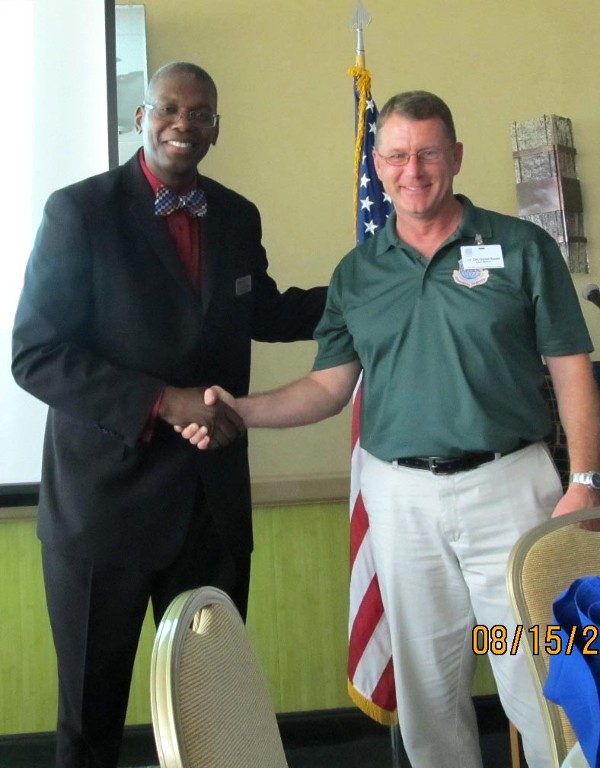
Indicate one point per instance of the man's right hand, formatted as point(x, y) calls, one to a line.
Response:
point(195, 433)
point(219, 422)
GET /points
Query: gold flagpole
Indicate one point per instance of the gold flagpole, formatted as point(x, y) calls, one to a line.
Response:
point(362, 79)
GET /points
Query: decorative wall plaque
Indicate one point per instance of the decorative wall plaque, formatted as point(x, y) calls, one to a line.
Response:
point(548, 190)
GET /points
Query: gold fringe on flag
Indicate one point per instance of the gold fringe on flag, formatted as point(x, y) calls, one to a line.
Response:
point(380, 715)
point(362, 84)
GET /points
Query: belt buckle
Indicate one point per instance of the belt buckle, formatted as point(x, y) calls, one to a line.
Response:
point(434, 468)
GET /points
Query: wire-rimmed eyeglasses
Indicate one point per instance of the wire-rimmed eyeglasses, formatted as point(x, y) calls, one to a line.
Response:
point(171, 113)
point(427, 156)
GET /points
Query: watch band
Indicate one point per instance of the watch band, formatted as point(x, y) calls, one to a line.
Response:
point(590, 478)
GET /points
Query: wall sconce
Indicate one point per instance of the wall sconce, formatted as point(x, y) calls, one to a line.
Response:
point(548, 190)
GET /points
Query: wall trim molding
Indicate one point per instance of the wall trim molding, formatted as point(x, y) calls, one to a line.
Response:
point(299, 489)
point(8, 514)
point(266, 492)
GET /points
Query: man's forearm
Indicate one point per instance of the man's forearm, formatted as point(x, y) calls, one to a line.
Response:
point(294, 405)
point(579, 409)
point(317, 396)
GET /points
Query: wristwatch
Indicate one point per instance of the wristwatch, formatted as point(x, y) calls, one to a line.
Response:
point(591, 479)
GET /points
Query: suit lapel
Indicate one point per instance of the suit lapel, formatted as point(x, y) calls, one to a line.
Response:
point(212, 233)
point(151, 227)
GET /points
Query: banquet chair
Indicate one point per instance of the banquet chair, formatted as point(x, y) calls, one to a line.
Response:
point(211, 707)
point(542, 564)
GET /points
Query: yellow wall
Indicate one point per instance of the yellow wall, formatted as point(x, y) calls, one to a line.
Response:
point(287, 129)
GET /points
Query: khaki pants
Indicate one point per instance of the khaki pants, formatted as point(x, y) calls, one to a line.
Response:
point(441, 545)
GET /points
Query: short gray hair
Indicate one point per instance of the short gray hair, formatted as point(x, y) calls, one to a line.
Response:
point(417, 105)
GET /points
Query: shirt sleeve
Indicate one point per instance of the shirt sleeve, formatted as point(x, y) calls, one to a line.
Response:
point(336, 345)
point(559, 321)
point(148, 432)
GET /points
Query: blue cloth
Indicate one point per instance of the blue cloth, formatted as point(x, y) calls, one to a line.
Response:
point(574, 674)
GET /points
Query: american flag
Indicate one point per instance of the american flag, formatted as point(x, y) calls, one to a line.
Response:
point(370, 669)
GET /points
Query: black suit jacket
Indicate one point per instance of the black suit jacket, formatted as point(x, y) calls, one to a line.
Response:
point(106, 318)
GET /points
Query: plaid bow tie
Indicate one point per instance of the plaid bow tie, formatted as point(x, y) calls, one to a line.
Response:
point(167, 202)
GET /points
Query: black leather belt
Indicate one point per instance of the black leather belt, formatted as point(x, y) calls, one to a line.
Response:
point(441, 466)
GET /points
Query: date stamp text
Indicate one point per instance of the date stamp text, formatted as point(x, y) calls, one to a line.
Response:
point(498, 640)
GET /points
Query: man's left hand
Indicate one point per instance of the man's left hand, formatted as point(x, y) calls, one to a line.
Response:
point(577, 496)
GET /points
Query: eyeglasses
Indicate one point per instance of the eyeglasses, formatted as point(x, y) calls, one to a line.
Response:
point(427, 156)
point(171, 114)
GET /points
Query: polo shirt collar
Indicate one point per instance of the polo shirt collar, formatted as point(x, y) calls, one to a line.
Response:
point(475, 221)
point(387, 237)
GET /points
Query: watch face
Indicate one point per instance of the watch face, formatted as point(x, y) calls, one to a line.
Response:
point(595, 480)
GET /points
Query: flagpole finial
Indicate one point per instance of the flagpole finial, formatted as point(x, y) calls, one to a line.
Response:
point(360, 20)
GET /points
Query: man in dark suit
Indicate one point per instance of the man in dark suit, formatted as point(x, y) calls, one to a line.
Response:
point(125, 316)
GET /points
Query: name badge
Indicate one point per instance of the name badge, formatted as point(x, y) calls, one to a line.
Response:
point(481, 256)
point(243, 285)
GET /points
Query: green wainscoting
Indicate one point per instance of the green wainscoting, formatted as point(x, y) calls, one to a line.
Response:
point(27, 665)
point(297, 619)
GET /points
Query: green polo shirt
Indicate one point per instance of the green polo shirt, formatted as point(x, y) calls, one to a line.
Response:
point(452, 357)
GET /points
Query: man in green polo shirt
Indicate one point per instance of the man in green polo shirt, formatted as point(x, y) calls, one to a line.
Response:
point(451, 312)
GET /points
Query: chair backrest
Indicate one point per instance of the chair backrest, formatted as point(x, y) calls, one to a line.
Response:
point(542, 564)
point(211, 707)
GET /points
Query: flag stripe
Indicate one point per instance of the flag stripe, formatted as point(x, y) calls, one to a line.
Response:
point(385, 693)
point(358, 528)
point(362, 574)
point(375, 661)
point(368, 617)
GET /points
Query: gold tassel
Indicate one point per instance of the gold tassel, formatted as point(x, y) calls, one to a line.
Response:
point(362, 83)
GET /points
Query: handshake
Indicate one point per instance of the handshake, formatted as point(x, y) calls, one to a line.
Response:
point(205, 417)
